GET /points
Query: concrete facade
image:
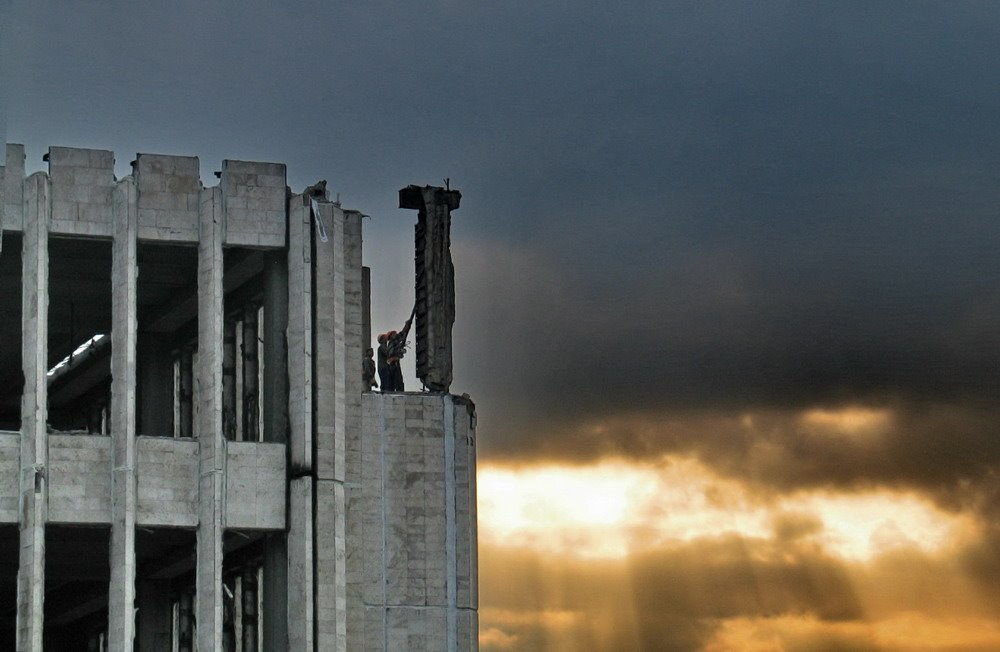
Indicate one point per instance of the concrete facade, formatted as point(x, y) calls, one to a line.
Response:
point(192, 436)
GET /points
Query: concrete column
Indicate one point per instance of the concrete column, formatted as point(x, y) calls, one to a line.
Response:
point(330, 347)
point(211, 443)
point(124, 274)
point(300, 390)
point(337, 354)
point(301, 584)
point(299, 587)
point(33, 486)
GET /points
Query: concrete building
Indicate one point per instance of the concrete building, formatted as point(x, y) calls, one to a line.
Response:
point(187, 457)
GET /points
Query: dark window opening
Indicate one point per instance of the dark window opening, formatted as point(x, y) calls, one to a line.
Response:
point(166, 339)
point(79, 336)
point(11, 376)
point(77, 572)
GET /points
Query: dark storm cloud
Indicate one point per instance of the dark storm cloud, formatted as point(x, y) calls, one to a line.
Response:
point(806, 214)
point(668, 207)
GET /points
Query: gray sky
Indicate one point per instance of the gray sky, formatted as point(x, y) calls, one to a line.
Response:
point(669, 208)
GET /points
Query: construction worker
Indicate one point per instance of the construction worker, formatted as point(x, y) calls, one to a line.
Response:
point(368, 370)
point(396, 347)
point(384, 374)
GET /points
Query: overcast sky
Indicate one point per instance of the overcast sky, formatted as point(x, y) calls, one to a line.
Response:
point(684, 227)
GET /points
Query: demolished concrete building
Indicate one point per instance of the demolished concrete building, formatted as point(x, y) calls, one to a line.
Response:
point(187, 457)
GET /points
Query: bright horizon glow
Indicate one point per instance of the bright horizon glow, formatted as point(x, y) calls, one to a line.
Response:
point(614, 508)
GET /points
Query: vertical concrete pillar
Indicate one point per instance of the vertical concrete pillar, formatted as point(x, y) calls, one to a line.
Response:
point(337, 354)
point(211, 443)
point(300, 389)
point(33, 484)
point(124, 274)
point(299, 586)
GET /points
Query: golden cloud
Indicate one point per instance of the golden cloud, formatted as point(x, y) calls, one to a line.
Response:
point(616, 508)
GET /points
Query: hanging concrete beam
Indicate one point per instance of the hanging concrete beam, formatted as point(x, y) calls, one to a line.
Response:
point(211, 443)
point(435, 281)
point(124, 275)
point(33, 484)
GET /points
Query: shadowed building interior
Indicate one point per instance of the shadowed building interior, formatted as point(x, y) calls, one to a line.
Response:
point(188, 458)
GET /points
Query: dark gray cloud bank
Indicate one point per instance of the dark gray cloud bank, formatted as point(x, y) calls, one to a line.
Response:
point(670, 209)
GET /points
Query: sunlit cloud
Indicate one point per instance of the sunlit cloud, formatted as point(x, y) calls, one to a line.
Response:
point(860, 526)
point(614, 508)
point(906, 631)
point(608, 509)
point(851, 421)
